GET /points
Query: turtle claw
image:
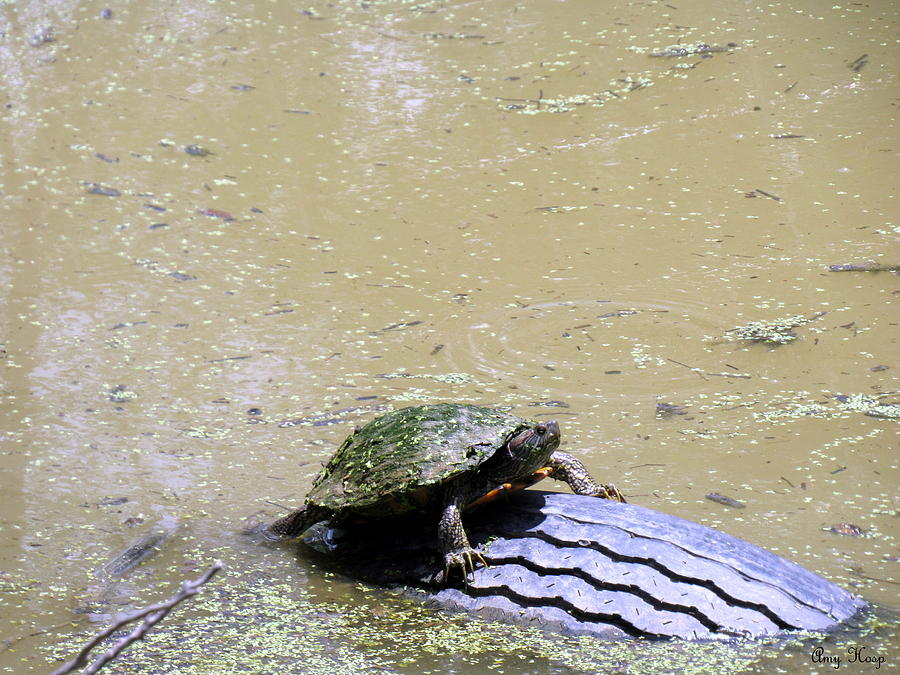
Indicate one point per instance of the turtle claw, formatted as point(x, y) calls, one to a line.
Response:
point(466, 559)
point(611, 492)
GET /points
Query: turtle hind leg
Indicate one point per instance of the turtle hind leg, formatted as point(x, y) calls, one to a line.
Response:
point(572, 472)
point(296, 522)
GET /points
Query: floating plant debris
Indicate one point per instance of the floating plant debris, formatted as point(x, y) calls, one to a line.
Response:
point(775, 331)
point(725, 501)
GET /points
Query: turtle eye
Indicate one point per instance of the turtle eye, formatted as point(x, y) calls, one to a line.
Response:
point(541, 429)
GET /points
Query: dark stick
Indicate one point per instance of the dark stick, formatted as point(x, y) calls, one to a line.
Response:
point(766, 194)
point(686, 366)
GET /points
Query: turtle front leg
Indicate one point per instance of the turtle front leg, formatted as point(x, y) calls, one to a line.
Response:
point(458, 553)
point(572, 472)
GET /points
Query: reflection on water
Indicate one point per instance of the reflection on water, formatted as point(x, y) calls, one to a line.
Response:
point(593, 341)
point(403, 202)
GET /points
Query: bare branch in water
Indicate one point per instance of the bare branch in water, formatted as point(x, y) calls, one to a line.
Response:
point(151, 616)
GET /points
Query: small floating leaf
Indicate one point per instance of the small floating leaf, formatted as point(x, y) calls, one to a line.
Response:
point(97, 189)
point(216, 213)
point(197, 150)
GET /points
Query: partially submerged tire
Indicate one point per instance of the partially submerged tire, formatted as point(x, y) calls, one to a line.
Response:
point(587, 565)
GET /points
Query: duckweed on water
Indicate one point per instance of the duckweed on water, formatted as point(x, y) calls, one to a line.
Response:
point(773, 332)
point(276, 627)
point(846, 403)
point(869, 405)
point(446, 378)
point(619, 88)
point(795, 410)
point(563, 104)
point(267, 626)
point(693, 49)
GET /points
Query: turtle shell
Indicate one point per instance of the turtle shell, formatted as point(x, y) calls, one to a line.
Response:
point(405, 452)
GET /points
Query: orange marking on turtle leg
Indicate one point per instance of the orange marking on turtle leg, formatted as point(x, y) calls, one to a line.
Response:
point(540, 474)
point(489, 496)
point(503, 490)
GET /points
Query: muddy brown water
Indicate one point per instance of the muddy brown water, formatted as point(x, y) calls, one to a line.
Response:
point(218, 217)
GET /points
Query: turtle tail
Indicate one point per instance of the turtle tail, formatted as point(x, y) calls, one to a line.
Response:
point(296, 522)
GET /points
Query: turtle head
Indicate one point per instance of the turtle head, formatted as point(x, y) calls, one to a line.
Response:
point(524, 453)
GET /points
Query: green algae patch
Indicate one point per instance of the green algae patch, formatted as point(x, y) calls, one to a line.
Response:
point(617, 89)
point(844, 404)
point(774, 331)
point(445, 378)
point(564, 103)
point(869, 405)
point(691, 49)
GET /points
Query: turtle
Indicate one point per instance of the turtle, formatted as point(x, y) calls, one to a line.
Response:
point(437, 460)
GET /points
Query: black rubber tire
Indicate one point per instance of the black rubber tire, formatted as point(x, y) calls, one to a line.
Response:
point(587, 565)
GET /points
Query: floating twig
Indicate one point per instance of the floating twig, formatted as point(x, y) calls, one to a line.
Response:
point(684, 365)
point(857, 64)
point(766, 194)
point(864, 267)
point(395, 326)
point(725, 501)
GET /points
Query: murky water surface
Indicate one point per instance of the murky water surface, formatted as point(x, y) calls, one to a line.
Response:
point(220, 216)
